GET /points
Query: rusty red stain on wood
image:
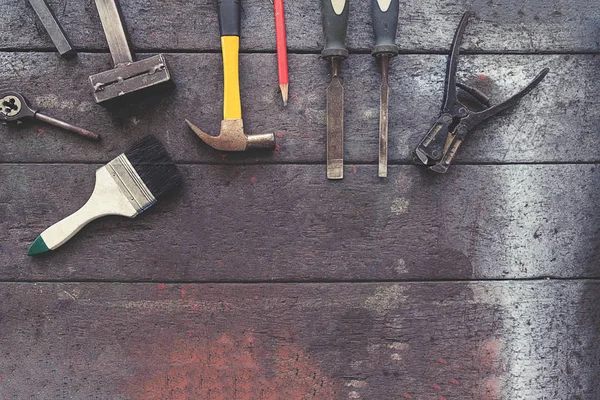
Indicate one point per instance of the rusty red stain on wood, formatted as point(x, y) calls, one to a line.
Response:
point(235, 365)
point(407, 396)
point(253, 179)
point(489, 359)
point(454, 381)
point(491, 389)
point(442, 361)
point(489, 355)
point(277, 148)
point(482, 77)
point(280, 134)
point(436, 386)
point(182, 292)
point(161, 286)
point(195, 307)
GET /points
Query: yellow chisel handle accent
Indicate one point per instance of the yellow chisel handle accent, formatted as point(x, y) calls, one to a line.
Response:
point(232, 105)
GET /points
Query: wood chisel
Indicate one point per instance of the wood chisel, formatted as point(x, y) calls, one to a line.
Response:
point(335, 23)
point(385, 24)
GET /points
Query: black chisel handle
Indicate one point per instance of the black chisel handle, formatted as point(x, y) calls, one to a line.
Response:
point(229, 17)
point(385, 25)
point(335, 24)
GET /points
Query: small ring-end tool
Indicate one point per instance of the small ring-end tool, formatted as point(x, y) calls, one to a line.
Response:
point(128, 76)
point(232, 136)
point(14, 107)
point(439, 147)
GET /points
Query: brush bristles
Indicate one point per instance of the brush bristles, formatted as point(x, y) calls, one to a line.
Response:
point(154, 165)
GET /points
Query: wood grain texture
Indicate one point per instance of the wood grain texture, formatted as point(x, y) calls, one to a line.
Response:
point(511, 25)
point(287, 222)
point(461, 340)
point(558, 122)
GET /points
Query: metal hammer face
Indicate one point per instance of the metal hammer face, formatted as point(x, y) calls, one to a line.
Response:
point(233, 138)
point(128, 76)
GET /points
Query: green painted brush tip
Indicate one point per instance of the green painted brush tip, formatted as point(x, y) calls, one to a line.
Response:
point(37, 247)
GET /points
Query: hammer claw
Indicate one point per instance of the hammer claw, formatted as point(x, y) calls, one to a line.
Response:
point(233, 138)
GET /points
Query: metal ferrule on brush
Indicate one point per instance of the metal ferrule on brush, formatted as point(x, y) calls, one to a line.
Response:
point(130, 183)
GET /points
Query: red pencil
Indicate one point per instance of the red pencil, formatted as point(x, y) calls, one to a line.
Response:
point(282, 61)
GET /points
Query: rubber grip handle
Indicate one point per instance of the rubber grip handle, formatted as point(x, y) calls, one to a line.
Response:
point(335, 24)
point(229, 17)
point(385, 24)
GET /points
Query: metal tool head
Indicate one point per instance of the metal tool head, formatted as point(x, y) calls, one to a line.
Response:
point(130, 78)
point(14, 106)
point(233, 138)
point(53, 27)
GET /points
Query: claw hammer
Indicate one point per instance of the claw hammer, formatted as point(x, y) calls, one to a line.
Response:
point(232, 136)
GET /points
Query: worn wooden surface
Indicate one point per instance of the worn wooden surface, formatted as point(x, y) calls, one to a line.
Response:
point(558, 122)
point(263, 280)
point(460, 340)
point(286, 222)
point(424, 25)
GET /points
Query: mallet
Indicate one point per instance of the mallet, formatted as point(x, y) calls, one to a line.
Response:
point(128, 76)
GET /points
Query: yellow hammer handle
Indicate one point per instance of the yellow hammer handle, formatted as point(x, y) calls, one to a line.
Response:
point(232, 104)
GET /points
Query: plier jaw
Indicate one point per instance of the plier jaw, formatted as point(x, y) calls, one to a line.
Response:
point(430, 150)
point(439, 147)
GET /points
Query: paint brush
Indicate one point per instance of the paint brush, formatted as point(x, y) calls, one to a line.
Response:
point(127, 186)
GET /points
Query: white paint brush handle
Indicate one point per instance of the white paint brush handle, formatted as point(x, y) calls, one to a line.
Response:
point(107, 199)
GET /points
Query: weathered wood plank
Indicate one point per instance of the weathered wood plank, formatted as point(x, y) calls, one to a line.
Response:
point(499, 340)
point(512, 25)
point(287, 222)
point(558, 122)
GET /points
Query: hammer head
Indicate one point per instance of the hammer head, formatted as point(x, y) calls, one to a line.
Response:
point(126, 79)
point(233, 138)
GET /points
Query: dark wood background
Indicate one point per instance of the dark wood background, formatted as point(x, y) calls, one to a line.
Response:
point(263, 280)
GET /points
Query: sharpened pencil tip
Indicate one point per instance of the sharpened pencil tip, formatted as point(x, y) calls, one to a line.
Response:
point(284, 93)
point(37, 247)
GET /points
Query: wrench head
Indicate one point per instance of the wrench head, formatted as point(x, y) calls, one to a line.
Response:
point(13, 107)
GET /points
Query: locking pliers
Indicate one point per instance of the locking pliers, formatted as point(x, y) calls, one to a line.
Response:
point(438, 148)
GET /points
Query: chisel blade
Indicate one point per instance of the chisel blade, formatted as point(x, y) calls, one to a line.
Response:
point(384, 98)
point(335, 124)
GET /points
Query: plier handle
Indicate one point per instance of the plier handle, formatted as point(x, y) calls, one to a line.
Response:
point(438, 148)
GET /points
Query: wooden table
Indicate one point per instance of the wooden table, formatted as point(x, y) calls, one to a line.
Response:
point(263, 280)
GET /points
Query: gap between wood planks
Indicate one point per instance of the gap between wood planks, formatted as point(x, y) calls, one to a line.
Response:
point(307, 163)
point(306, 282)
point(315, 52)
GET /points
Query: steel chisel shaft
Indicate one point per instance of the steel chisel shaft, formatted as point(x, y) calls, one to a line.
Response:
point(385, 24)
point(56, 32)
point(335, 22)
